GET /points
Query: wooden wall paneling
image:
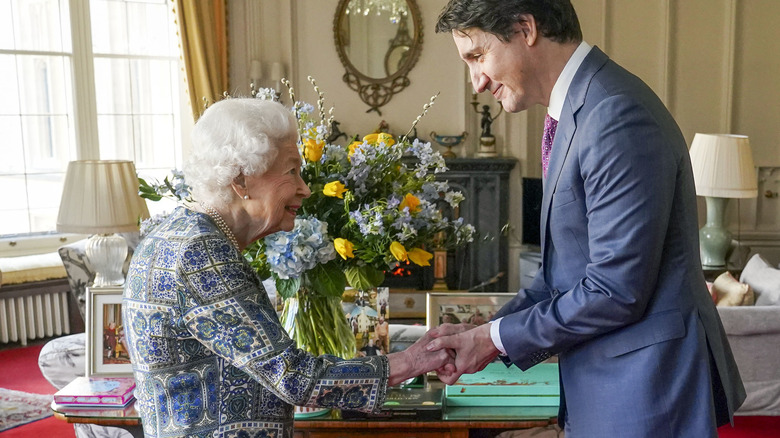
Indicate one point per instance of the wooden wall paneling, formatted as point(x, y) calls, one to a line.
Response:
point(756, 96)
point(699, 69)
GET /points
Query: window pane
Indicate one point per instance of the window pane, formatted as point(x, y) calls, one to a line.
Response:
point(153, 88)
point(151, 23)
point(109, 26)
point(43, 83)
point(6, 25)
point(154, 141)
point(13, 205)
point(112, 86)
point(116, 137)
point(41, 25)
point(13, 153)
point(9, 86)
point(46, 142)
point(45, 191)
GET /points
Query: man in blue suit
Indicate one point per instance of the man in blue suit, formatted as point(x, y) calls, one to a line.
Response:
point(620, 297)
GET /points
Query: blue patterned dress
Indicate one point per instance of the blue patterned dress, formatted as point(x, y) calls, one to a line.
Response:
point(209, 354)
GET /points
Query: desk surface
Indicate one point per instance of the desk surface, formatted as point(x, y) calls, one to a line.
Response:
point(474, 417)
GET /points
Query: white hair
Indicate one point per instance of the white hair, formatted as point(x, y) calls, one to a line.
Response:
point(235, 136)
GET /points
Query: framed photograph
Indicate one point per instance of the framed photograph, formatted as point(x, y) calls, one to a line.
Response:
point(107, 353)
point(473, 307)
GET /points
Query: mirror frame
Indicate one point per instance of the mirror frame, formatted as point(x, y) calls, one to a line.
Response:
point(376, 92)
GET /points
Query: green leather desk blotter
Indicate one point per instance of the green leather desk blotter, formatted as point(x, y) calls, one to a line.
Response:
point(497, 385)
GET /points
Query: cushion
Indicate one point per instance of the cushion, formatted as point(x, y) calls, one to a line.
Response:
point(727, 291)
point(29, 268)
point(764, 279)
point(80, 271)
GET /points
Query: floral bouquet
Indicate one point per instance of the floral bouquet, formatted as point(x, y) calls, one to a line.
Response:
point(374, 203)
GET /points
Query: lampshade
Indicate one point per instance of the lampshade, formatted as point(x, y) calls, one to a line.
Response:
point(723, 166)
point(100, 196)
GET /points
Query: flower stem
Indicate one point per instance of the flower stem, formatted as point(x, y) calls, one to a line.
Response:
point(318, 325)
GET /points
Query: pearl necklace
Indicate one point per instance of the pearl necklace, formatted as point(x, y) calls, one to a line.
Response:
point(214, 214)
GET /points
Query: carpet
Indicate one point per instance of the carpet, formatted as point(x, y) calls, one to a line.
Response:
point(18, 408)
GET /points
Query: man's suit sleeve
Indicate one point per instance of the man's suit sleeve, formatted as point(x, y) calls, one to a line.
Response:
point(526, 297)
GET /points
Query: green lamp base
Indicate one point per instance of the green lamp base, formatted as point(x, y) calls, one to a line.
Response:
point(714, 239)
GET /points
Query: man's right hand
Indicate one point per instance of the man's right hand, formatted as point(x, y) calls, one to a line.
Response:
point(473, 347)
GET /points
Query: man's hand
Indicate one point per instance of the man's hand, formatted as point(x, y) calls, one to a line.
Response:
point(473, 348)
point(417, 360)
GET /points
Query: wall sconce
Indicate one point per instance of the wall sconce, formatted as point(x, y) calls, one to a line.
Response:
point(255, 75)
point(277, 74)
point(722, 169)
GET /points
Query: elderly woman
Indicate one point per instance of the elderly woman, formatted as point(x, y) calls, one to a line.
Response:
point(209, 354)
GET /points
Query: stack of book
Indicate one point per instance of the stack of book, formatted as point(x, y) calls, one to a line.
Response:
point(109, 392)
point(497, 385)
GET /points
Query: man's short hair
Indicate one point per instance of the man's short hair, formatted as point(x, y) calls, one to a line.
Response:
point(555, 19)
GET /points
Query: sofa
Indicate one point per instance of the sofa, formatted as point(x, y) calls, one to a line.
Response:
point(753, 331)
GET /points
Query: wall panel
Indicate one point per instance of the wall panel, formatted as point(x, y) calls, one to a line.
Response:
point(757, 78)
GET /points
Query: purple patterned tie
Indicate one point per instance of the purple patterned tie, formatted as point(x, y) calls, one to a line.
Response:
point(550, 125)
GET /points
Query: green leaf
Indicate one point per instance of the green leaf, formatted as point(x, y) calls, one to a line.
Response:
point(328, 279)
point(287, 287)
point(364, 277)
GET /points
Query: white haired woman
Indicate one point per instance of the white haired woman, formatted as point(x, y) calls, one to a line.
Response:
point(209, 354)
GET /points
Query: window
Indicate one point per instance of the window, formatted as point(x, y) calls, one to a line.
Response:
point(97, 79)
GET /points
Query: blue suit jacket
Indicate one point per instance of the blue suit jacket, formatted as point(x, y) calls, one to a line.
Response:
point(621, 296)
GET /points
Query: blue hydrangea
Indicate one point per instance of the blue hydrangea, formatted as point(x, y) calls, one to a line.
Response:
point(292, 253)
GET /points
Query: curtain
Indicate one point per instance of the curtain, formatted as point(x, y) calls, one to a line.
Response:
point(203, 32)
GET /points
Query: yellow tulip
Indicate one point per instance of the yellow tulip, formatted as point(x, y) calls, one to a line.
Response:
point(398, 251)
point(312, 149)
point(354, 146)
point(334, 189)
point(410, 201)
point(379, 137)
point(420, 257)
point(344, 247)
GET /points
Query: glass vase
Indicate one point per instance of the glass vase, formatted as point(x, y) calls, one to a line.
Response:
point(317, 324)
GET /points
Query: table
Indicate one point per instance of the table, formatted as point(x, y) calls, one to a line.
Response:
point(126, 418)
point(456, 422)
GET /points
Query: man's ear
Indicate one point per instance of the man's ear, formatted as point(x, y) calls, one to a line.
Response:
point(525, 27)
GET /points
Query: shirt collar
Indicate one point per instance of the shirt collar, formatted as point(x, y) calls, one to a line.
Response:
point(561, 87)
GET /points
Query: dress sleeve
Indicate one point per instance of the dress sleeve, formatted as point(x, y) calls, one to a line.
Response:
point(226, 308)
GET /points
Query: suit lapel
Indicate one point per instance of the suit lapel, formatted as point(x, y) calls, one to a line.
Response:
point(567, 125)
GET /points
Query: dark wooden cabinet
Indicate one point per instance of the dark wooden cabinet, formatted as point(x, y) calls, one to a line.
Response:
point(482, 265)
point(485, 185)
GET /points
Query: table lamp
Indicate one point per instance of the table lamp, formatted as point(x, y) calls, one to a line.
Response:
point(100, 197)
point(722, 169)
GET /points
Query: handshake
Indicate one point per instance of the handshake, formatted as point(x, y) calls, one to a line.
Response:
point(449, 349)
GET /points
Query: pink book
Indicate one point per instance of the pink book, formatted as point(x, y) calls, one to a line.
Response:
point(96, 391)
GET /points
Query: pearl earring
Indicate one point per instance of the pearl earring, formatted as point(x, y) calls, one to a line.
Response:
point(246, 196)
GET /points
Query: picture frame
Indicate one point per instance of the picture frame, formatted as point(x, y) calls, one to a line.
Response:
point(474, 307)
point(106, 349)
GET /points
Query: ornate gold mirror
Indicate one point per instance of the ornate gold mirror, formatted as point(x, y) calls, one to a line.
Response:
point(378, 42)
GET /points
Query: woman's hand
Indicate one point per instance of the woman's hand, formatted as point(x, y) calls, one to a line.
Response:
point(417, 360)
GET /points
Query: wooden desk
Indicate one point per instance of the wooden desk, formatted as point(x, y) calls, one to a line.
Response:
point(479, 422)
point(455, 422)
point(126, 418)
